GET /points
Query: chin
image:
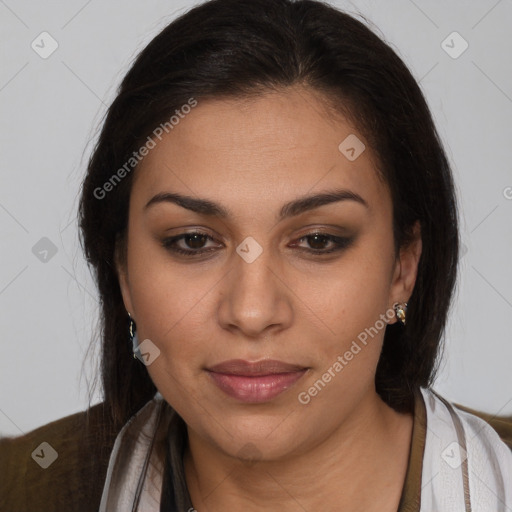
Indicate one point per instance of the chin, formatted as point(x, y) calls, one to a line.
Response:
point(259, 438)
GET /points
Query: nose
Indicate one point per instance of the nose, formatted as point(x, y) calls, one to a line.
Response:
point(255, 300)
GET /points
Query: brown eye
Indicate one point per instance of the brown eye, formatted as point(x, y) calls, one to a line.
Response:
point(324, 243)
point(195, 240)
point(318, 241)
point(189, 244)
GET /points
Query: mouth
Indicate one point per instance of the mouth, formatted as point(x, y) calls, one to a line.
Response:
point(255, 382)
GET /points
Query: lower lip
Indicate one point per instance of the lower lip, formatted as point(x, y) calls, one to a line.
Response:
point(255, 389)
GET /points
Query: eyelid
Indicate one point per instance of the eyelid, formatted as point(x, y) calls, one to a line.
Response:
point(340, 243)
point(166, 242)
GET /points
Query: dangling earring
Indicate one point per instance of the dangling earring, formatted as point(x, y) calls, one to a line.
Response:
point(134, 339)
point(400, 311)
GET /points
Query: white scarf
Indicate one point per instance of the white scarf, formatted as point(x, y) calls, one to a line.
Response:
point(466, 466)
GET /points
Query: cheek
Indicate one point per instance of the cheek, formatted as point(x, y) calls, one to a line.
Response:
point(352, 305)
point(168, 302)
point(173, 311)
point(349, 297)
point(175, 314)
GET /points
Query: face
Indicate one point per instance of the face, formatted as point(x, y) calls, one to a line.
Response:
point(229, 263)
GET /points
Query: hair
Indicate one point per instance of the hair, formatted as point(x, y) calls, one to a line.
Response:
point(238, 48)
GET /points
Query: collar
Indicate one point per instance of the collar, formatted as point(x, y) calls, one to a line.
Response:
point(462, 465)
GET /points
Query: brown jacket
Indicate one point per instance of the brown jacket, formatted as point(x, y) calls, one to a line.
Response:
point(74, 481)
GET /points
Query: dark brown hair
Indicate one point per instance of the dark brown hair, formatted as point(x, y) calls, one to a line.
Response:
point(235, 48)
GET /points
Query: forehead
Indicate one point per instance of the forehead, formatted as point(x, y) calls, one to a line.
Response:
point(261, 151)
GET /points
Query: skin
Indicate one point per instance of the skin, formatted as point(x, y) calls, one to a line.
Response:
point(251, 156)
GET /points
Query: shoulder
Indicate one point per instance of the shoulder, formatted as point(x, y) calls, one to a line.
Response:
point(465, 457)
point(501, 424)
point(59, 466)
point(497, 429)
point(488, 424)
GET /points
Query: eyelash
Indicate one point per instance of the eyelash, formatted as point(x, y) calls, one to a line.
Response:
point(340, 244)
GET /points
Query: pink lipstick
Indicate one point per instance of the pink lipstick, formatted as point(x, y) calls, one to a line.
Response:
point(256, 382)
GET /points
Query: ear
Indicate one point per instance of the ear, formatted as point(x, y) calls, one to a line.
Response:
point(120, 258)
point(406, 269)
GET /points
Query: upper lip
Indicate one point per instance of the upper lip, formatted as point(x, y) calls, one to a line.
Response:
point(254, 369)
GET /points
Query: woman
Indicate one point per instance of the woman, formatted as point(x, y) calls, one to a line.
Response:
point(272, 223)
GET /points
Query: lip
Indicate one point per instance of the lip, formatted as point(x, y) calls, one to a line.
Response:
point(255, 382)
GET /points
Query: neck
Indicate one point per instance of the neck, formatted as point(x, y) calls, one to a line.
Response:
point(360, 466)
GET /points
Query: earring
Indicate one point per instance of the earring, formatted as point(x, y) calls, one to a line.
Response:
point(134, 339)
point(400, 311)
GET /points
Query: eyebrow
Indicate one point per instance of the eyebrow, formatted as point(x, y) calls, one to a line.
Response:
point(290, 209)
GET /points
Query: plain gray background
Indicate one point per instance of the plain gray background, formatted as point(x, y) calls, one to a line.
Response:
point(51, 110)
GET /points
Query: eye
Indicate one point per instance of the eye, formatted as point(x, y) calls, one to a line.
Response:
point(195, 243)
point(325, 243)
point(192, 243)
